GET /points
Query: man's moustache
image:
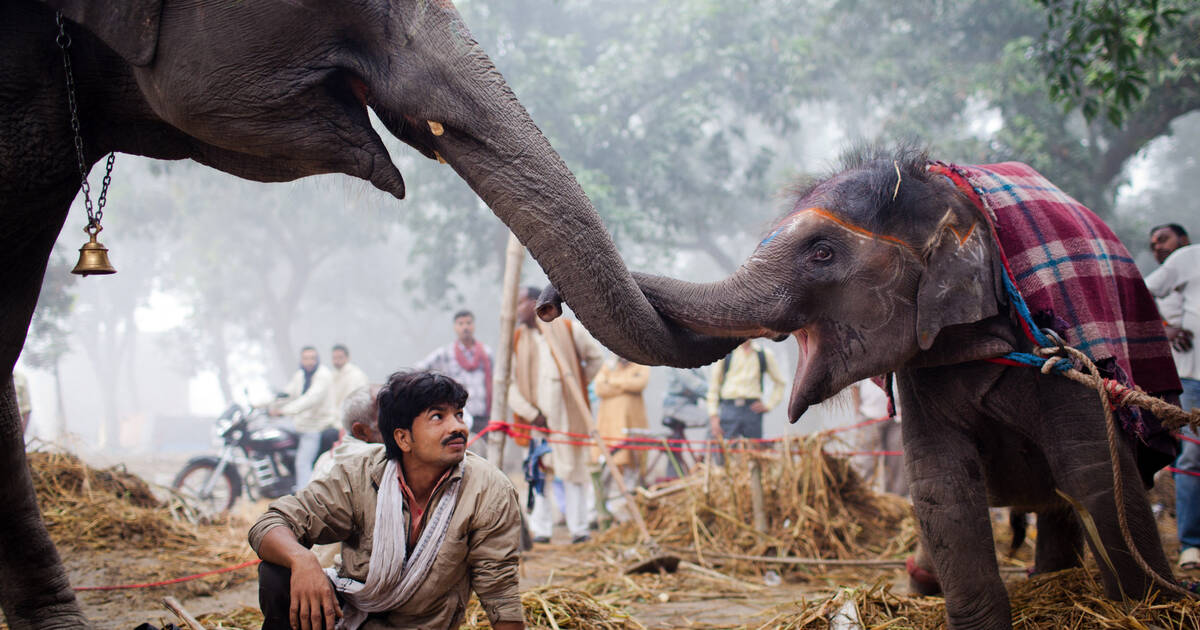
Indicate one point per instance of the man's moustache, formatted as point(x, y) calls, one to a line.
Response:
point(457, 436)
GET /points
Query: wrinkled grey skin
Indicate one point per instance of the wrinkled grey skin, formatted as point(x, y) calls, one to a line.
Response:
point(870, 279)
point(270, 90)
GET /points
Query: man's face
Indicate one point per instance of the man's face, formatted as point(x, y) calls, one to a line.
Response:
point(1163, 241)
point(308, 359)
point(526, 310)
point(438, 437)
point(464, 329)
point(339, 358)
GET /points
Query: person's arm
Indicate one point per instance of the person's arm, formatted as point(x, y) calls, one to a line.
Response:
point(519, 405)
point(431, 362)
point(322, 512)
point(317, 391)
point(492, 559)
point(589, 351)
point(633, 380)
point(312, 599)
point(605, 384)
point(779, 384)
point(713, 398)
point(1162, 281)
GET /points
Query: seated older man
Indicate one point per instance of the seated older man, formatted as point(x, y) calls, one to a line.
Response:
point(421, 521)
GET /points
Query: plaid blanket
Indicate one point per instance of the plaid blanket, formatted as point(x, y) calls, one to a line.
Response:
point(1076, 276)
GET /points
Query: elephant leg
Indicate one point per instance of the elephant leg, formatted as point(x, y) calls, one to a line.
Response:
point(1059, 541)
point(1083, 471)
point(34, 589)
point(946, 483)
point(1093, 487)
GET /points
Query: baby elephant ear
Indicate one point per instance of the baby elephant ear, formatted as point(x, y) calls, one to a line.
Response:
point(130, 27)
point(960, 280)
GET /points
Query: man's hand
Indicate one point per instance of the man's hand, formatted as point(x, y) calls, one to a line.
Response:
point(540, 421)
point(314, 606)
point(273, 412)
point(758, 407)
point(1180, 339)
point(714, 424)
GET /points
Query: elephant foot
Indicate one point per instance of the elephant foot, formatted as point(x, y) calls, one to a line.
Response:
point(921, 580)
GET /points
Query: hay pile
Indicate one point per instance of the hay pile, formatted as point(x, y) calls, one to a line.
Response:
point(244, 618)
point(558, 607)
point(119, 532)
point(1067, 599)
point(817, 506)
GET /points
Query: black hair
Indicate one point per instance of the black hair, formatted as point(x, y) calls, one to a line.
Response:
point(307, 348)
point(408, 394)
point(463, 313)
point(532, 293)
point(342, 347)
point(1174, 227)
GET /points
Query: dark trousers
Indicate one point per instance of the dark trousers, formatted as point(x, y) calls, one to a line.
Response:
point(738, 421)
point(275, 596)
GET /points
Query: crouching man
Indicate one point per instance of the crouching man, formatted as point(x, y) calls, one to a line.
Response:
point(421, 521)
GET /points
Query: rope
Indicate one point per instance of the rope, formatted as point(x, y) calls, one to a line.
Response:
point(1112, 396)
point(187, 578)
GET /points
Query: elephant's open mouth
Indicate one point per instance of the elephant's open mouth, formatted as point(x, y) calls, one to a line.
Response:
point(803, 389)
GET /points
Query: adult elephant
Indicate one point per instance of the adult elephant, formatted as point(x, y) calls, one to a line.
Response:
point(900, 265)
point(270, 90)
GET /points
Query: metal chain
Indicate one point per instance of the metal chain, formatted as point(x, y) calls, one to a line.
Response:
point(64, 42)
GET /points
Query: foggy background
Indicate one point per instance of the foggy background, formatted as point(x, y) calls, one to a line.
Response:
point(685, 122)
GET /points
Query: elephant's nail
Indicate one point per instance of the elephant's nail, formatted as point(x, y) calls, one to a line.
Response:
point(436, 128)
point(441, 160)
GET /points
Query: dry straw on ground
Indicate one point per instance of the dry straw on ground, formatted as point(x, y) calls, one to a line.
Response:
point(114, 515)
point(558, 607)
point(816, 506)
point(1069, 600)
point(244, 618)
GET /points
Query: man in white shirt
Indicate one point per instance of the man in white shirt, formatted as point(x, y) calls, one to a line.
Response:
point(1176, 284)
point(347, 377)
point(310, 406)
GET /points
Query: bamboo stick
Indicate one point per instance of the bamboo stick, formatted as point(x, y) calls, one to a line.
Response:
point(514, 256)
point(174, 606)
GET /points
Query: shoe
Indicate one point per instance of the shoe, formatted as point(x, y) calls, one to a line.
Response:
point(580, 539)
point(541, 539)
point(1190, 559)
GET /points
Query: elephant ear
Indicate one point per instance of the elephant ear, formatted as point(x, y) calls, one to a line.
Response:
point(130, 27)
point(961, 282)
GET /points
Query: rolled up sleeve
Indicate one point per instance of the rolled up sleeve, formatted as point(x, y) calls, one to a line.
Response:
point(493, 557)
point(320, 513)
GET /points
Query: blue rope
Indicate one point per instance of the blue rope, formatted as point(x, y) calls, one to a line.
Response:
point(1039, 337)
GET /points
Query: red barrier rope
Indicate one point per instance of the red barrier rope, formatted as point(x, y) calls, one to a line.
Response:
point(248, 563)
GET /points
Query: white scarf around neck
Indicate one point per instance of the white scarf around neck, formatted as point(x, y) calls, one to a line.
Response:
point(392, 578)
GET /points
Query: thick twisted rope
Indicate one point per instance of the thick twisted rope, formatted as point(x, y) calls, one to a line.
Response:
point(1113, 395)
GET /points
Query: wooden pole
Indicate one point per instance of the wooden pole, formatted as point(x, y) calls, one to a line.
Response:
point(756, 496)
point(514, 256)
point(174, 606)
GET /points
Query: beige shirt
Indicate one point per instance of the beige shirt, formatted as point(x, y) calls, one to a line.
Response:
point(311, 410)
point(346, 379)
point(480, 551)
point(744, 380)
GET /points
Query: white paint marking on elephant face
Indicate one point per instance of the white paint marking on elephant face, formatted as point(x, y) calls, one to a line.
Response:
point(816, 215)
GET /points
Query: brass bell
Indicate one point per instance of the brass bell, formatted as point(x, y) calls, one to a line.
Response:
point(93, 256)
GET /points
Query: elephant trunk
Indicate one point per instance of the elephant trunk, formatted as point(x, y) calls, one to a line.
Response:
point(741, 306)
point(489, 139)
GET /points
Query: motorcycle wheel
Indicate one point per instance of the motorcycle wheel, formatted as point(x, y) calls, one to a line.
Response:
point(225, 489)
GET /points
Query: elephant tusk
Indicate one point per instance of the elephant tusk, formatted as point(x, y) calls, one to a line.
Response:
point(440, 159)
point(436, 128)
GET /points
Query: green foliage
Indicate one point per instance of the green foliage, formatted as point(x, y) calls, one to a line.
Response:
point(1104, 56)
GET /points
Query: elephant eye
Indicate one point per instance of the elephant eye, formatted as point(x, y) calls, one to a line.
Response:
point(822, 253)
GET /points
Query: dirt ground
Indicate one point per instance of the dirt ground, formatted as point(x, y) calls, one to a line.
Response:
point(720, 599)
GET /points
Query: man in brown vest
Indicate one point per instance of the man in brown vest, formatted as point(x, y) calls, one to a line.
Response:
point(549, 361)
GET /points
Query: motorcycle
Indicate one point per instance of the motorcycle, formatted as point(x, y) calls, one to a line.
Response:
point(256, 457)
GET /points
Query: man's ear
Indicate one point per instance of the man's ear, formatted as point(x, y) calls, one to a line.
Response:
point(959, 283)
point(403, 439)
point(130, 27)
point(359, 430)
